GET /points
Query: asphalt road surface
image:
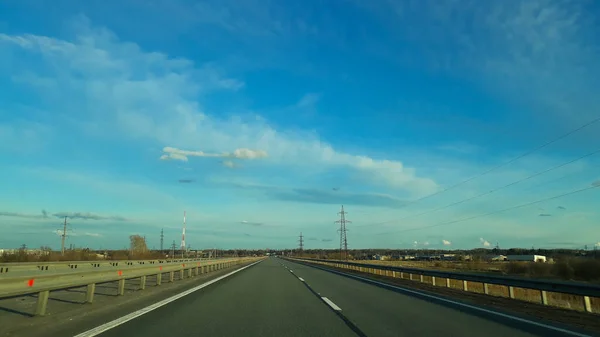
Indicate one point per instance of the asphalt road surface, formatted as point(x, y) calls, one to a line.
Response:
point(281, 298)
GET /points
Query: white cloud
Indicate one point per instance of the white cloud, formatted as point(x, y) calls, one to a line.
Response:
point(484, 242)
point(158, 103)
point(446, 242)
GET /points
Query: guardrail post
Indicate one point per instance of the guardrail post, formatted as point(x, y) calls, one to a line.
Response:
point(511, 292)
point(447, 282)
point(190, 272)
point(421, 278)
point(544, 297)
point(158, 279)
point(486, 289)
point(393, 273)
point(121, 287)
point(196, 271)
point(465, 285)
point(587, 304)
point(42, 303)
point(181, 274)
point(433, 280)
point(410, 276)
point(89, 293)
point(171, 276)
point(143, 282)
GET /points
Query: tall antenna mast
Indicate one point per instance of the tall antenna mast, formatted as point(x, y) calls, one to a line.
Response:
point(183, 236)
point(343, 238)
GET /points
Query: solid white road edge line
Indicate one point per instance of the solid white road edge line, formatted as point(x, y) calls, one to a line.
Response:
point(331, 304)
point(523, 320)
point(115, 323)
point(301, 279)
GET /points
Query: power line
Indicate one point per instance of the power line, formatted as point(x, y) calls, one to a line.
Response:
point(343, 238)
point(565, 135)
point(493, 190)
point(494, 212)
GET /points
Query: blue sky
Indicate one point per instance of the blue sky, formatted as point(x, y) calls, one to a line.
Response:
point(260, 118)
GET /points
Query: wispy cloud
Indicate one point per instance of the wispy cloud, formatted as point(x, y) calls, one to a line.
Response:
point(44, 215)
point(545, 47)
point(186, 181)
point(544, 214)
point(256, 224)
point(446, 242)
point(71, 233)
point(88, 216)
point(72, 215)
point(321, 196)
point(326, 240)
point(171, 153)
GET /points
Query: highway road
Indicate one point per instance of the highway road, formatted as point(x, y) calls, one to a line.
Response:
point(281, 298)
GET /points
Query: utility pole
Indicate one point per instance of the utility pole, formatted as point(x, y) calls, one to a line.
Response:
point(162, 238)
point(301, 241)
point(63, 236)
point(183, 237)
point(343, 238)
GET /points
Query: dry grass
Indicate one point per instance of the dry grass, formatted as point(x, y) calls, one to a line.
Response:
point(78, 255)
point(571, 269)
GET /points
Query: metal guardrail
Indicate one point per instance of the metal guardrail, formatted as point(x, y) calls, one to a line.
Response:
point(11, 268)
point(42, 284)
point(543, 286)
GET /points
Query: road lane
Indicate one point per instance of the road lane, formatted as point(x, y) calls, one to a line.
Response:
point(381, 312)
point(263, 300)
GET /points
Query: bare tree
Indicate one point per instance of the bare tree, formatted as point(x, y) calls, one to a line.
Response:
point(137, 244)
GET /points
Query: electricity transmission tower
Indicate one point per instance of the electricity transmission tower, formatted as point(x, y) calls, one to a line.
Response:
point(173, 250)
point(162, 238)
point(301, 241)
point(343, 238)
point(63, 237)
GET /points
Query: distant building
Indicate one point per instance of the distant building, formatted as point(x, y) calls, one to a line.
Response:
point(527, 258)
point(448, 257)
point(499, 258)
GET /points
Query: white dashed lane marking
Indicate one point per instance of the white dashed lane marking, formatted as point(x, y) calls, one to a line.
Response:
point(331, 304)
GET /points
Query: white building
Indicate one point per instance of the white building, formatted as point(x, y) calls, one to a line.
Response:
point(527, 258)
